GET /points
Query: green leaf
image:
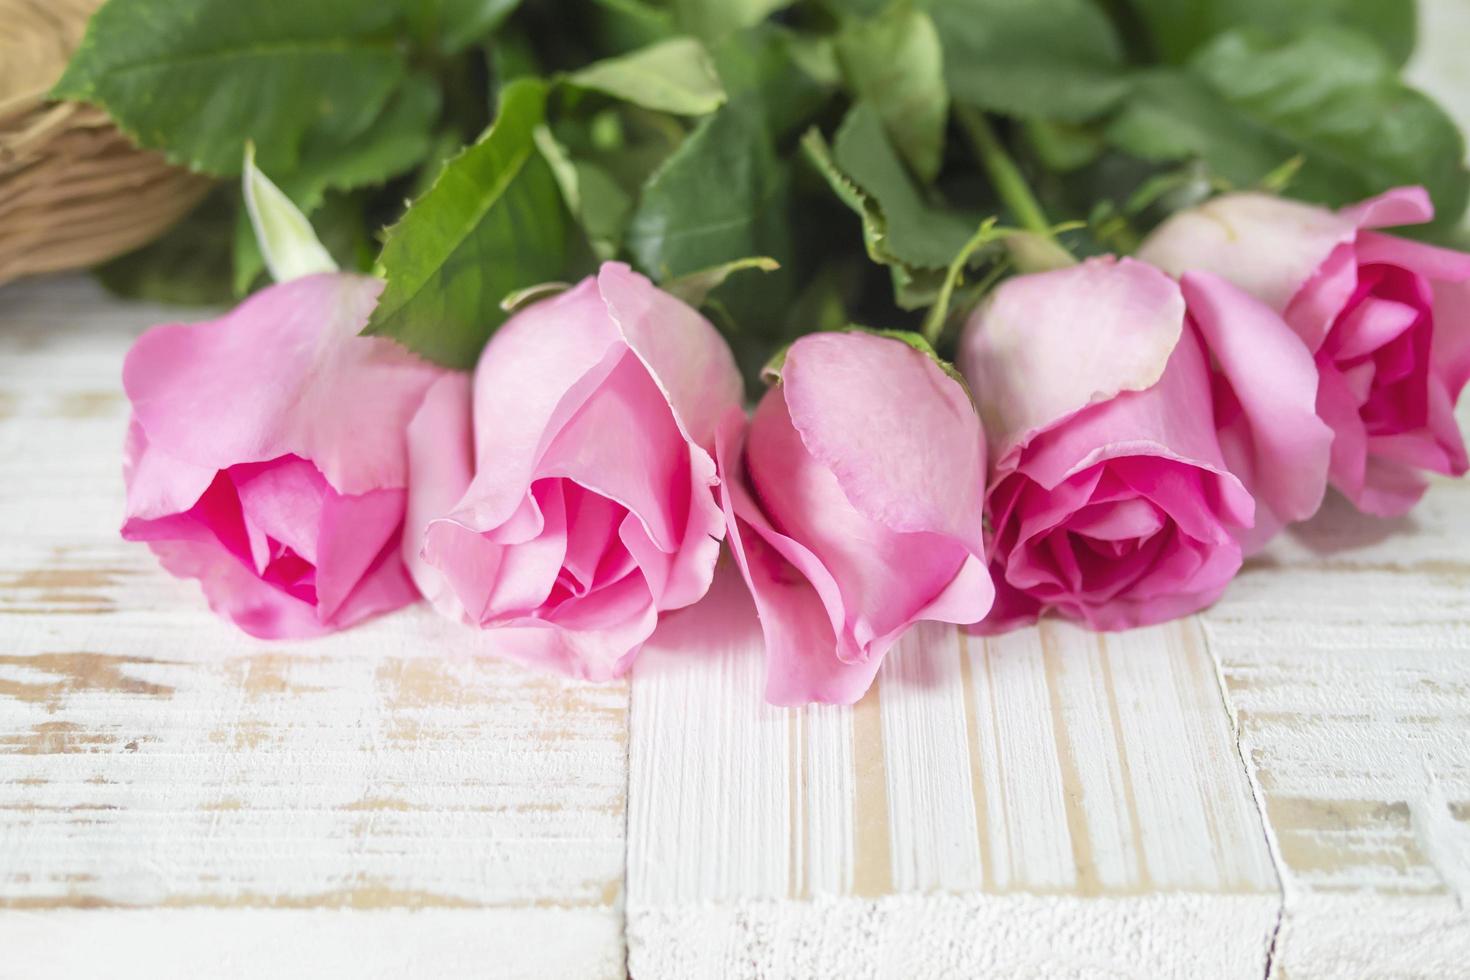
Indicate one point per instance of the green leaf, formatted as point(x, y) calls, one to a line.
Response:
point(917, 241)
point(287, 243)
point(1172, 115)
point(606, 208)
point(791, 75)
point(457, 24)
point(696, 286)
point(875, 229)
point(859, 8)
point(1049, 59)
point(398, 140)
point(1252, 103)
point(895, 64)
point(598, 202)
point(821, 304)
point(721, 196)
point(522, 298)
point(492, 223)
point(197, 80)
point(713, 20)
point(670, 76)
point(1063, 147)
point(622, 25)
point(917, 233)
point(911, 285)
point(1180, 27)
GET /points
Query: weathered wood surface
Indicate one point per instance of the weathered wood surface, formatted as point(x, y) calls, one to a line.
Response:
point(1058, 803)
point(1345, 655)
point(177, 799)
point(1049, 803)
point(1280, 787)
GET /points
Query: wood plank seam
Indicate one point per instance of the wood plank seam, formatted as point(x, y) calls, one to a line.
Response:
point(1273, 846)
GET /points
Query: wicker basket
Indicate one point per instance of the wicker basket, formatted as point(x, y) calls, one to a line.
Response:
point(74, 191)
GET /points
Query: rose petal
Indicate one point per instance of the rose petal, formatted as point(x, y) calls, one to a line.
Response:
point(1170, 420)
point(159, 485)
point(1389, 489)
point(623, 444)
point(188, 549)
point(884, 577)
point(1398, 206)
point(1013, 609)
point(1047, 345)
point(283, 499)
point(1119, 520)
point(1276, 444)
point(1267, 246)
point(1338, 406)
point(686, 357)
point(441, 461)
point(1319, 302)
point(900, 436)
point(1372, 324)
point(601, 650)
point(526, 572)
point(354, 531)
point(596, 520)
point(534, 374)
point(795, 620)
point(285, 373)
point(235, 592)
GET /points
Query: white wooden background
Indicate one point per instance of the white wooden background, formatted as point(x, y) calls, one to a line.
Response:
point(1278, 788)
point(1282, 783)
point(179, 800)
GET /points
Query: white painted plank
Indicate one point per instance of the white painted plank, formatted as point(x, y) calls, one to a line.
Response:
point(1345, 652)
point(1050, 803)
point(933, 841)
point(249, 943)
point(182, 792)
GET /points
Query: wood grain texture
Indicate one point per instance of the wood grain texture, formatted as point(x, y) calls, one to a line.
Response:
point(1049, 803)
point(201, 803)
point(1345, 652)
point(391, 801)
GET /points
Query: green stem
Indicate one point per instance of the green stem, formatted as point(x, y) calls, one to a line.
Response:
point(938, 314)
point(1004, 173)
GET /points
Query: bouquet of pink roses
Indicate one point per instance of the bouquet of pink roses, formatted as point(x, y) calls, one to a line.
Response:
point(536, 406)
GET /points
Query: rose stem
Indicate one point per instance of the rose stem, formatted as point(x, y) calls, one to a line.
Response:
point(1004, 173)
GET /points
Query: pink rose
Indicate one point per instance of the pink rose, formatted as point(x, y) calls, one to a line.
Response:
point(1387, 319)
point(565, 498)
point(266, 456)
point(853, 505)
point(1132, 420)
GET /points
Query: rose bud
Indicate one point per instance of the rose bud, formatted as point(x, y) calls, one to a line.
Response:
point(266, 456)
point(853, 503)
point(566, 497)
point(1387, 319)
point(1129, 415)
